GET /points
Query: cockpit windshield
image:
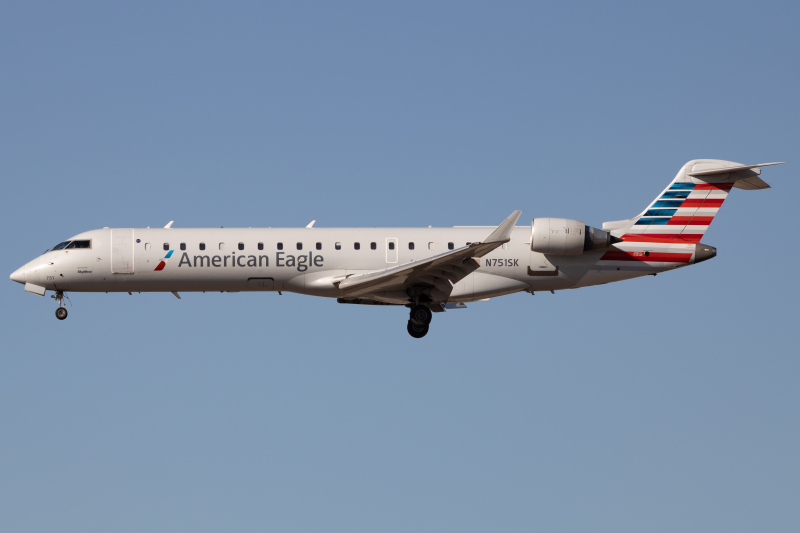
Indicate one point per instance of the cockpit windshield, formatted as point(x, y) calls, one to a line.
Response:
point(59, 246)
point(70, 245)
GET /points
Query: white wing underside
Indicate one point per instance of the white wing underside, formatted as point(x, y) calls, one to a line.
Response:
point(435, 275)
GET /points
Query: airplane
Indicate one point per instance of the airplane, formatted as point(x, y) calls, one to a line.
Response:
point(427, 270)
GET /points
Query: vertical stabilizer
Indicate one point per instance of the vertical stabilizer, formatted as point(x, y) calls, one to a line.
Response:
point(685, 209)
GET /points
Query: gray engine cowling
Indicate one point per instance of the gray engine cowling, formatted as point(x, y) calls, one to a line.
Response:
point(564, 236)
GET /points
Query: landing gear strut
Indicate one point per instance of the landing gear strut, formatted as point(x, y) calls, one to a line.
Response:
point(419, 321)
point(61, 312)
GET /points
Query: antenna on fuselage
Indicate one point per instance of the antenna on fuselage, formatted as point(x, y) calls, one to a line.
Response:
point(170, 224)
point(311, 224)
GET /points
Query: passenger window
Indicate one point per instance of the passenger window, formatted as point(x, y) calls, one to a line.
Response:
point(319, 246)
point(299, 245)
point(431, 246)
point(373, 246)
point(391, 245)
point(450, 246)
point(411, 246)
point(166, 246)
point(261, 246)
point(79, 244)
point(280, 246)
point(147, 246)
point(241, 246)
point(357, 246)
point(222, 246)
point(338, 246)
point(183, 246)
point(202, 246)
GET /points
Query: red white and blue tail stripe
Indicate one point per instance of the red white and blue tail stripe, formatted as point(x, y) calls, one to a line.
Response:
point(682, 213)
point(667, 232)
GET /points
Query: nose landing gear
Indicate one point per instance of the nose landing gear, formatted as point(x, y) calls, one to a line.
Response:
point(419, 321)
point(61, 312)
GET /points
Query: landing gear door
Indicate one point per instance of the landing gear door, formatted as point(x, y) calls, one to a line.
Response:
point(391, 251)
point(122, 251)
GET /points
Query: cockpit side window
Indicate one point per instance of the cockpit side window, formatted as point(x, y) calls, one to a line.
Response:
point(60, 246)
point(79, 244)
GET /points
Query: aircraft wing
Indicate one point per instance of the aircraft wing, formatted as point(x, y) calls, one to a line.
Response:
point(437, 274)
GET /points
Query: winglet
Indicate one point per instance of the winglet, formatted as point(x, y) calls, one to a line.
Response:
point(170, 224)
point(503, 231)
point(311, 224)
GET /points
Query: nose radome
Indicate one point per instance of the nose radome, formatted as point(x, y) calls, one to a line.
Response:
point(18, 276)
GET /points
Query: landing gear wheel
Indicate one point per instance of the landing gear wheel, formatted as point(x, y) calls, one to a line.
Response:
point(421, 315)
point(61, 313)
point(417, 331)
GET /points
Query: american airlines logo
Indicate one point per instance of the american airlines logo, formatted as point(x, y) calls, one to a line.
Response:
point(163, 262)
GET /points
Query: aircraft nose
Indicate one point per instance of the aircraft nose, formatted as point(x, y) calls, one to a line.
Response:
point(18, 275)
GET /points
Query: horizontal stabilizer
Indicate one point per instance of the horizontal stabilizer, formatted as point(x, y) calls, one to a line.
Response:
point(725, 170)
point(751, 184)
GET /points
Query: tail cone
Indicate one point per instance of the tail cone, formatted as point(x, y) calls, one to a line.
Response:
point(703, 252)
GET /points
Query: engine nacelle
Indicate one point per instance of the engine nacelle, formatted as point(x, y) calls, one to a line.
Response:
point(564, 236)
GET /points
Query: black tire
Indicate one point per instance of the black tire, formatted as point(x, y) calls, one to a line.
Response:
point(421, 315)
point(61, 313)
point(417, 331)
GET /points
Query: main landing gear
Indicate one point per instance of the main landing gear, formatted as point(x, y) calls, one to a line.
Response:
point(419, 321)
point(61, 312)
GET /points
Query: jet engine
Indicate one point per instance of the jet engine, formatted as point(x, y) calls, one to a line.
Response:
point(564, 236)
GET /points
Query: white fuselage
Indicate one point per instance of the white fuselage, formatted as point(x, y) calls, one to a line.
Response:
point(311, 260)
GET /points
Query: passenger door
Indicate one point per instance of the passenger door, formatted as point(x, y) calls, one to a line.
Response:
point(122, 251)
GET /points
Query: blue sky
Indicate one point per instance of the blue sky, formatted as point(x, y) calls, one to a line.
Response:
point(658, 404)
